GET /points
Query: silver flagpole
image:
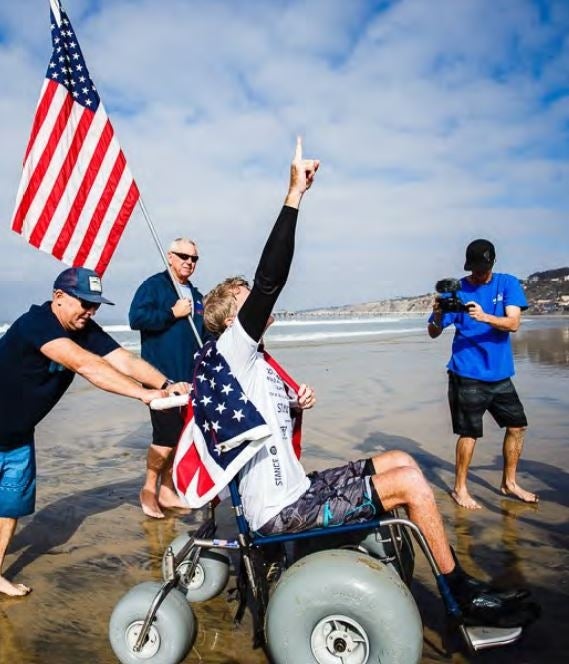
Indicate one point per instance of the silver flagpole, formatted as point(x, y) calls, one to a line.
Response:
point(174, 281)
point(56, 9)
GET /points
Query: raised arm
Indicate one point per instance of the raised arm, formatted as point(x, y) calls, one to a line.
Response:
point(274, 266)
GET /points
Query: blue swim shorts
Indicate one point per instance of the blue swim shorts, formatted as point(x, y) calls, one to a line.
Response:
point(17, 481)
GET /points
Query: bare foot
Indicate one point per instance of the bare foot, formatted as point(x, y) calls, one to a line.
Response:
point(464, 499)
point(515, 491)
point(170, 499)
point(13, 589)
point(150, 505)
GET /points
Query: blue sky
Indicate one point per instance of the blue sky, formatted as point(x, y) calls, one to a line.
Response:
point(436, 122)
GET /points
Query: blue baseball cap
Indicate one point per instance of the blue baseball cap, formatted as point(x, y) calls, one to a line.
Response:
point(82, 283)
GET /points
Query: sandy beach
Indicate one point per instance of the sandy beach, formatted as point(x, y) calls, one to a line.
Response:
point(89, 543)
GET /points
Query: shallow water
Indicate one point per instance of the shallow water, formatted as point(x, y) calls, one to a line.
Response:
point(89, 543)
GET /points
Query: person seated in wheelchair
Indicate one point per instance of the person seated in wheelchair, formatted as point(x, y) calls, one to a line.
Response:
point(277, 494)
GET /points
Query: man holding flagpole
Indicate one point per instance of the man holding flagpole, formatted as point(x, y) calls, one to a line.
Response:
point(168, 342)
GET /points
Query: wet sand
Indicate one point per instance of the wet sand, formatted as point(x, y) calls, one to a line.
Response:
point(89, 543)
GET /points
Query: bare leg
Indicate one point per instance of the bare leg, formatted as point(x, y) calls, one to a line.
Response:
point(464, 452)
point(167, 496)
point(392, 459)
point(406, 486)
point(7, 528)
point(156, 460)
point(512, 450)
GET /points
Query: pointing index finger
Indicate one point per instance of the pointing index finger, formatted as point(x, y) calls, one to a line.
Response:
point(298, 149)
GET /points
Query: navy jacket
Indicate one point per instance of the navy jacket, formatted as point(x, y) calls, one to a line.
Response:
point(168, 343)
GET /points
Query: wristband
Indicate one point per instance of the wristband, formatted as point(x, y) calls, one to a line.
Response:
point(166, 383)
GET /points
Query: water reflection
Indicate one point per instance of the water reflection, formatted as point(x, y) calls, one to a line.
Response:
point(549, 345)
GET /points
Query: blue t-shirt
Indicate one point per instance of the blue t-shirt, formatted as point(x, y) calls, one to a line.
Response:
point(479, 350)
point(31, 383)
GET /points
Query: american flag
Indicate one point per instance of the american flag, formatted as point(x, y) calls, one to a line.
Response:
point(223, 431)
point(76, 194)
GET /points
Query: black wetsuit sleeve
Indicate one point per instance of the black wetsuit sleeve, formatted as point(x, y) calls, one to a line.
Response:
point(271, 275)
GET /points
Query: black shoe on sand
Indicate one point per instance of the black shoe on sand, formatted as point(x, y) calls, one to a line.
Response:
point(490, 610)
point(472, 587)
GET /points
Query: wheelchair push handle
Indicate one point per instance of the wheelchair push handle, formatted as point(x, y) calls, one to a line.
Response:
point(174, 401)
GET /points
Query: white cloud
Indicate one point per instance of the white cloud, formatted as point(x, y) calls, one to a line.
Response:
point(436, 122)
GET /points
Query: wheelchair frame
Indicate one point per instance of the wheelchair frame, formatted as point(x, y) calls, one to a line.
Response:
point(251, 577)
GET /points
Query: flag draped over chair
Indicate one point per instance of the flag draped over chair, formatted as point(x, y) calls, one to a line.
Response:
point(223, 429)
point(76, 193)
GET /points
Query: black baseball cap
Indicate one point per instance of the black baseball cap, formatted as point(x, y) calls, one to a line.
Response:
point(480, 255)
point(82, 283)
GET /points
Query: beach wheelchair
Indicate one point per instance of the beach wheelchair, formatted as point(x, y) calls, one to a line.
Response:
point(335, 595)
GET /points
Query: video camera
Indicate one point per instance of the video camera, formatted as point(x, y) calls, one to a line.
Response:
point(448, 299)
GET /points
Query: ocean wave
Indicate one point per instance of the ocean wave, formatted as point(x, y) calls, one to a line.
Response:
point(335, 321)
point(116, 328)
point(331, 336)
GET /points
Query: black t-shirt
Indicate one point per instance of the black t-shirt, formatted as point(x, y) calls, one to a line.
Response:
point(30, 383)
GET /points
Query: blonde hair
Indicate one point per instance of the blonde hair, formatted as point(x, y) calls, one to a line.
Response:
point(220, 303)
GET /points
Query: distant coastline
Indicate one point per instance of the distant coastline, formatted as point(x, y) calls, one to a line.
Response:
point(547, 294)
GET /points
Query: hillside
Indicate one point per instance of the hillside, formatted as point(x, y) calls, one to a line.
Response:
point(547, 293)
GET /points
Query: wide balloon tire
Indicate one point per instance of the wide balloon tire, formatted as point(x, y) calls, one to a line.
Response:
point(210, 575)
point(342, 607)
point(378, 543)
point(171, 633)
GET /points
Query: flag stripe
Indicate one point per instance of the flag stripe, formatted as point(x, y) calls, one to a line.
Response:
point(50, 174)
point(40, 143)
point(104, 206)
point(121, 221)
point(89, 178)
point(59, 189)
point(46, 98)
point(192, 466)
point(37, 179)
point(76, 193)
point(96, 192)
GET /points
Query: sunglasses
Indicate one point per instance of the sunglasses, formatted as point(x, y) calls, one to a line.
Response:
point(187, 257)
point(89, 305)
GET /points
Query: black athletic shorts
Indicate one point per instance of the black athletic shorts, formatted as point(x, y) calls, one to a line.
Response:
point(167, 426)
point(469, 399)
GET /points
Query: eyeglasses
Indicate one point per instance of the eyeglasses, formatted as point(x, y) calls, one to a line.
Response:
point(187, 257)
point(89, 305)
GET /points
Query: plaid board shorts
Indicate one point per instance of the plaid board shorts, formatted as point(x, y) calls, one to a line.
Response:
point(469, 399)
point(335, 496)
point(17, 481)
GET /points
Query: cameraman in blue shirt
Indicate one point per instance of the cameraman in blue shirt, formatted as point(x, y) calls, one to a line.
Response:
point(481, 366)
